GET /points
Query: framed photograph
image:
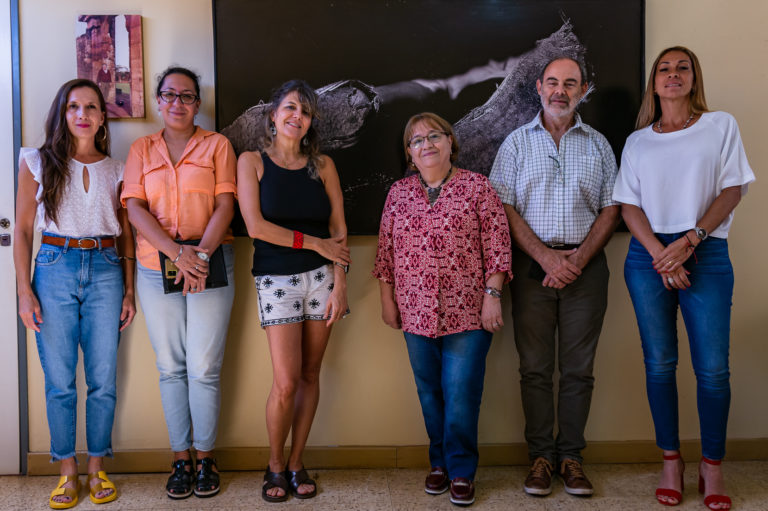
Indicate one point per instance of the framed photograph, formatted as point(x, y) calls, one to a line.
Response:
point(376, 63)
point(109, 52)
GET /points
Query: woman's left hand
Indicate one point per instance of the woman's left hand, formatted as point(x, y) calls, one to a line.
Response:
point(128, 311)
point(673, 256)
point(490, 314)
point(676, 279)
point(337, 304)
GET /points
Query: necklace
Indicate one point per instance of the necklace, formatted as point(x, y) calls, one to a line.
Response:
point(685, 125)
point(434, 193)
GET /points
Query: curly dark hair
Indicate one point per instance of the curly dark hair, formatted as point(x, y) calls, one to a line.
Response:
point(310, 144)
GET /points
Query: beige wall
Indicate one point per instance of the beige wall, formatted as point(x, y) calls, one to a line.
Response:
point(368, 395)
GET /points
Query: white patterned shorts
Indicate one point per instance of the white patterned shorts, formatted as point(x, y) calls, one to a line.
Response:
point(294, 298)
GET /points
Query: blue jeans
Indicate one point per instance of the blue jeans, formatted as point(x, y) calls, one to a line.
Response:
point(449, 373)
point(81, 295)
point(706, 310)
point(188, 334)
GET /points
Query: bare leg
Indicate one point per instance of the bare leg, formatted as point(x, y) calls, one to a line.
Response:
point(713, 482)
point(314, 342)
point(286, 353)
point(96, 464)
point(671, 476)
point(68, 467)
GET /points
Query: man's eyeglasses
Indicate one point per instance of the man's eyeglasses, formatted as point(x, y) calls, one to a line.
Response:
point(433, 136)
point(170, 97)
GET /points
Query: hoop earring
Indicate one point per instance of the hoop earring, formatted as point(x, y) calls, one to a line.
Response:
point(305, 141)
point(104, 137)
point(272, 129)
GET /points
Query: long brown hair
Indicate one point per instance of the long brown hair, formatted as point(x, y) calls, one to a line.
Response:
point(650, 108)
point(59, 145)
point(310, 144)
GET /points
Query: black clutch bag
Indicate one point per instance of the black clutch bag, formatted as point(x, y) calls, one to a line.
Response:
point(217, 270)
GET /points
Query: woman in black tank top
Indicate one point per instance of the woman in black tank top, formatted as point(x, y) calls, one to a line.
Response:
point(291, 201)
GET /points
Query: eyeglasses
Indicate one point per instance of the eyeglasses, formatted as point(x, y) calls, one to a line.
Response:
point(433, 136)
point(170, 97)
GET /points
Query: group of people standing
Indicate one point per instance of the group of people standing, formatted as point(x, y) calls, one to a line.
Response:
point(449, 241)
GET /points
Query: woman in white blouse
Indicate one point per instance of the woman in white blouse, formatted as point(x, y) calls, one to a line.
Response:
point(79, 295)
point(682, 174)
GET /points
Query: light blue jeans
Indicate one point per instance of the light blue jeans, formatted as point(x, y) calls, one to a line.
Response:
point(706, 310)
point(81, 295)
point(188, 334)
point(449, 373)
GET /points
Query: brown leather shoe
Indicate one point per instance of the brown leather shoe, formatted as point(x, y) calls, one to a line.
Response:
point(437, 481)
point(539, 480)
point(574, 479)
point(462, 491)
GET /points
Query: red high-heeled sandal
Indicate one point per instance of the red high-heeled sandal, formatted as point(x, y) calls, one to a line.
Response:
point(709, 500)
point(669, 493)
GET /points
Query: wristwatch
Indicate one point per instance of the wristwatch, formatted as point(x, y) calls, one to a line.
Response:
point(203, 256)
point(700, 233)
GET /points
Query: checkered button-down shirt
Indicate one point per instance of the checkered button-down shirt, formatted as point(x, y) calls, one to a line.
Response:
point(558, 191)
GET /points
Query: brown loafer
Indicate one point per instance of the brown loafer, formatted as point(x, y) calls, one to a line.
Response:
point(574, 479)
point(539, 480)
point(437, 481)
point(462, 491)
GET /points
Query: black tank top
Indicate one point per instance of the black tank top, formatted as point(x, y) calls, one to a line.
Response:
point(290, 199)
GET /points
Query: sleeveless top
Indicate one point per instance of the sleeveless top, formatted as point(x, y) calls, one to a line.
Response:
point(81, 213)
point(290, 199)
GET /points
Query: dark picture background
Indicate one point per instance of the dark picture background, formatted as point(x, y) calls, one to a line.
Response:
point(261, 44)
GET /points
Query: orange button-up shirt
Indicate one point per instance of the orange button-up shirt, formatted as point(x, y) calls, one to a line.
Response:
point(180, 196)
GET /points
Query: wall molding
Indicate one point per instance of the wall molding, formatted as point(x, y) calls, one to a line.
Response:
point(410, 456)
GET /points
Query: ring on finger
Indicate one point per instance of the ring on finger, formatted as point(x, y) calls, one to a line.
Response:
point(197, 268)
point(670, 280)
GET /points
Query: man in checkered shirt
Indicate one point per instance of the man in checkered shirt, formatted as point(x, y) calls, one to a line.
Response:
point(555, 177)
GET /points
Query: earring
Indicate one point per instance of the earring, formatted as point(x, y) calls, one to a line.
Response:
point(103, 137)
point(305, 141)
point(272, 129)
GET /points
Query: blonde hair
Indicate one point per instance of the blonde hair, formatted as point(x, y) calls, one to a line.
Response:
point(650, 108)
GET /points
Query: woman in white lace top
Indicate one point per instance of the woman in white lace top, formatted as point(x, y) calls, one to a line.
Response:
point(81, 293)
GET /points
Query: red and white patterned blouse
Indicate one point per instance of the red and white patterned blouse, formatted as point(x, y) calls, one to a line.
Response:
point(438, 258)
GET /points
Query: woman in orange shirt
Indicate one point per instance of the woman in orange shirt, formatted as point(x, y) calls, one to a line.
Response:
point(180, 192)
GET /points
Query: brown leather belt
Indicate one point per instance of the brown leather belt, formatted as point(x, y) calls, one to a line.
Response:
point(81, 243)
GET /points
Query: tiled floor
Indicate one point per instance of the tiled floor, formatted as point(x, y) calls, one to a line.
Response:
point(617, 487)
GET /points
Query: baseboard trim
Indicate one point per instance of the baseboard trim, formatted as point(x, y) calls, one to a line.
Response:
point(409, 456)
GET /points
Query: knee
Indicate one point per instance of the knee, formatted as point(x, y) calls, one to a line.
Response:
point(713, 377)
point(310, 376)
point(284, 389)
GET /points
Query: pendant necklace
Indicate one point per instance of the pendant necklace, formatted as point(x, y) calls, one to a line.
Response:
point(434, 193)
point(685, 125)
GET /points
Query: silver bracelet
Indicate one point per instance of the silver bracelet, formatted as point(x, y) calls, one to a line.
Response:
point(178, 256)
point(494, 292)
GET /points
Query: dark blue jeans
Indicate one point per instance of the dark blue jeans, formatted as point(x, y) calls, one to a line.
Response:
point(449, 373)
point(706, 310)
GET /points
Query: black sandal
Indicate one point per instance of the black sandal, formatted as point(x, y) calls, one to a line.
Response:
point(208, 482)
point(179, 485)
point(274, 480)
point(296, 479)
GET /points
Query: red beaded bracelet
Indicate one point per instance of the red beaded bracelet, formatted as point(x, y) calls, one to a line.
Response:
point(298, 239)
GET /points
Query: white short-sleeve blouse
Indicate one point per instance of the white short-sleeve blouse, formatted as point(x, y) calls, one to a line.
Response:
point(81, 213)
point(675, 177)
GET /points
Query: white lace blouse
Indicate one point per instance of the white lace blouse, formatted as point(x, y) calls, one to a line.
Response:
point(81, 213)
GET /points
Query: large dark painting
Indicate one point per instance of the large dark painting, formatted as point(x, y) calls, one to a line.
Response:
point(376, 63)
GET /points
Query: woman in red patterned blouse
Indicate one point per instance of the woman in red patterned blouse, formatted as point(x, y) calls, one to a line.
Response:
point(443, 255)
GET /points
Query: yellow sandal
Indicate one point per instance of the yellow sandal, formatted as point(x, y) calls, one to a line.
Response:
point(105, 484)
point(66, 492)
